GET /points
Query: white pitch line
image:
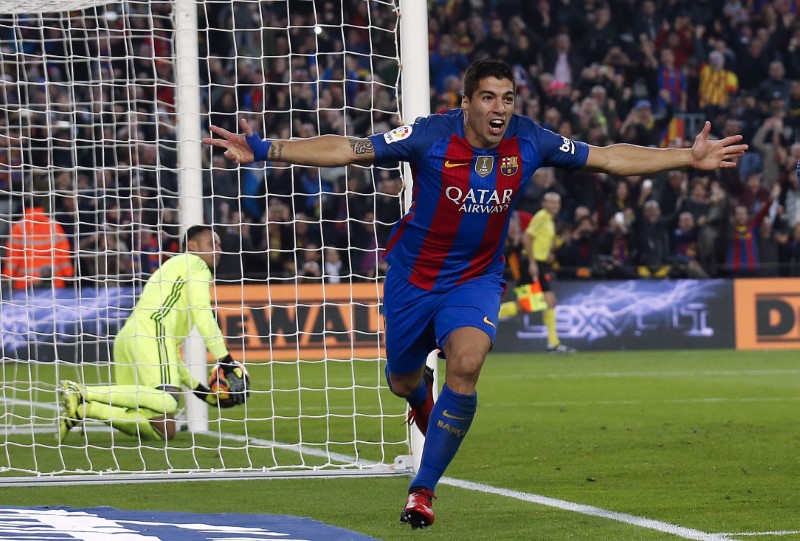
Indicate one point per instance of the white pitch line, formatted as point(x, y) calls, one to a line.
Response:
point(708, 400)
point(653, 374)
point(679, 531)
point(642, 522)
point(759, 534)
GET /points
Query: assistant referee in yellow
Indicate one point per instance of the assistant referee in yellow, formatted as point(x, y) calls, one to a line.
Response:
point(148, 370)
point(539, 238)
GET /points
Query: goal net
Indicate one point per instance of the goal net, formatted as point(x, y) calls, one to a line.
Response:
point(101, 111)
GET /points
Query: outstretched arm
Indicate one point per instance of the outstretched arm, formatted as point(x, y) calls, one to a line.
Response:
point(322, 151)
point(624, 160)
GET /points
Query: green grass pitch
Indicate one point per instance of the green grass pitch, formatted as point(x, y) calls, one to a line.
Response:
point(705, 440)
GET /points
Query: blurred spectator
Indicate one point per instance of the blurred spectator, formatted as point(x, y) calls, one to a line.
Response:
point(776, 86)
point(310, 272)
point(516, 270)
point(685, 247)
point(108, 260)
point(577, 254)
point(364, 250)
point(333, 268)
point(543, 181)
point(607, 108)
point(387, 205)
point(642, 127)
point(616, 250)
point(743, 259)
point(753, 61)
point(309, 262)
point(563, 61)
point(496, 43)
point(751, 161)
point(526, 54)
point(772, 141)
point(672, 80)
point(771, 242)
point(648, 21)
point(789, 195)
point(672, 191)
point(676, 35)
point(717, 85)
point(695, 204)
point(445, 62)
point(755, 195)
point(622, 201)
point(711, 251)
point(600, 36)
point(653, 249)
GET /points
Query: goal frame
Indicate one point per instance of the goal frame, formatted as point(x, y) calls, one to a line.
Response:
point(413, 103)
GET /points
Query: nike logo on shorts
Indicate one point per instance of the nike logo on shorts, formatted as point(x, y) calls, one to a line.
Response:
point(486, 320)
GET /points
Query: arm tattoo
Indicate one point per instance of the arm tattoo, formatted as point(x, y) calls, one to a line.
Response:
point(276, 152)
point(361, 146)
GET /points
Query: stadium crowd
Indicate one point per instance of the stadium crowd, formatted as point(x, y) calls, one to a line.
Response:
point(601, 71)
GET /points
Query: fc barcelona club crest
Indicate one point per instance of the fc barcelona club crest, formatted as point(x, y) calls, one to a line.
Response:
point(509, 165)
point(484, 165)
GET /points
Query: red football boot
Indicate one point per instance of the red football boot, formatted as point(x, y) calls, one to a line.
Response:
point(421, 414)
point(418, 511)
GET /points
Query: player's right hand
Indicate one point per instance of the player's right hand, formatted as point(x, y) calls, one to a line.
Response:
point(235, 144)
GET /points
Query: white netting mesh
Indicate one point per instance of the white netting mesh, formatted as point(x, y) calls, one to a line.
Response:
point(90, 131)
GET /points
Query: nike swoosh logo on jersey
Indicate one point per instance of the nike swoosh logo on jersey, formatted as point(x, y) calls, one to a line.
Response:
point(449, 164)
point(451, 416)
point(486, 320)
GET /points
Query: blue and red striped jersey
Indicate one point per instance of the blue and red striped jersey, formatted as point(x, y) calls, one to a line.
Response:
point(463, 196)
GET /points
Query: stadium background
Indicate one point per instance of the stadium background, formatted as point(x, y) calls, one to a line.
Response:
point(701, 438)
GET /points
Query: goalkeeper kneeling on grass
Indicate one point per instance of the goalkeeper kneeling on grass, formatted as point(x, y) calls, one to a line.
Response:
point(148, 370)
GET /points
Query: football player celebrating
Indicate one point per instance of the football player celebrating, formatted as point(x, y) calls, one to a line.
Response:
point(444, 283)
point(148, 370)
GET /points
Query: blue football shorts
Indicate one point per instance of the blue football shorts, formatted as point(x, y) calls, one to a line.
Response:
point(419, 321)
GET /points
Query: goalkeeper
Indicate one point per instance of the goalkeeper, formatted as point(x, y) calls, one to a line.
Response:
point(148, 370)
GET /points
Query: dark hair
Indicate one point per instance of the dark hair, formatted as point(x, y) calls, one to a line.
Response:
point(194, 232)
point(483, 68)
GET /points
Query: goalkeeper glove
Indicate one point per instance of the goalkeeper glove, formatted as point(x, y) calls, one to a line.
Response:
point(204, 393)
point(238, 389)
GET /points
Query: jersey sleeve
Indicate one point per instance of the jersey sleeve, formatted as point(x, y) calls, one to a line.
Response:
point(402, 144)
point(558, 151)
point(199, 297)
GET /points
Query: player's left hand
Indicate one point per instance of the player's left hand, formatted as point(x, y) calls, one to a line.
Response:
point(204, 393)
point(710, 154)
point(238, 390)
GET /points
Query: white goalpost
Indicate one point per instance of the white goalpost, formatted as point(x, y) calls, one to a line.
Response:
point(102, 108)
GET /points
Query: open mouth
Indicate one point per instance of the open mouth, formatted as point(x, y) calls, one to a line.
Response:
point(496, 126)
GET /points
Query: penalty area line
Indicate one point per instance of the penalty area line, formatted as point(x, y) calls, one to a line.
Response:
point(642, 522)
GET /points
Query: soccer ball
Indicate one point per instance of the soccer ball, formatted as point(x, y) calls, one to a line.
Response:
point(219, 385)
